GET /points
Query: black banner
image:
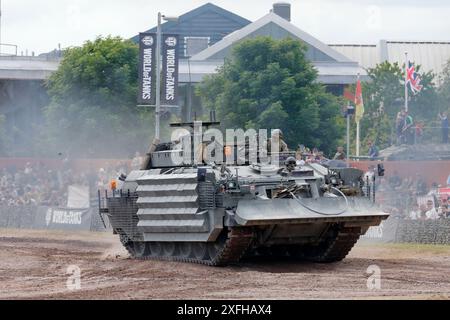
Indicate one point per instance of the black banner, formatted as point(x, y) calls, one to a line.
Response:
point(63, 219)
point(170, 56)
point(147, 69)
point(41, 218)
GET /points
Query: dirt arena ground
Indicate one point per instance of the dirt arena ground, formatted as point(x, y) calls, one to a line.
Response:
point(33, 265)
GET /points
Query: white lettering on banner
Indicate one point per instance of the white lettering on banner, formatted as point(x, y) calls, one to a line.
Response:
point(170, 77)
point(146, 74)
point(67, 217)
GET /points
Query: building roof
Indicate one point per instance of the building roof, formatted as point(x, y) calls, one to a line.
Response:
point(27, 68)
point(207, 20)
point(208, 7)
point(271, 20)
point(328, 73)
point(332, 66)
point(338, 72)
point(431, 55)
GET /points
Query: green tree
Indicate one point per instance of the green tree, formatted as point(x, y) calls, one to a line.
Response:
point(444, 89)
point(93, 102)
point(384, 97)
point(270, 84)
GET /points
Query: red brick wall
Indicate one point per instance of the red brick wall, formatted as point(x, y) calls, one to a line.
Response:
point(431, 171)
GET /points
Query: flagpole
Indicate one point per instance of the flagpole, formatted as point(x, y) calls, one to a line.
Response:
point(357, 125)
point(406, 81)
point(357, 139)
point(348, 132)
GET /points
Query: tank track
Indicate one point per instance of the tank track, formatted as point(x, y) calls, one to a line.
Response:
point(239, 241)
point(338, 243)
point(338, 247)
point(233, 249)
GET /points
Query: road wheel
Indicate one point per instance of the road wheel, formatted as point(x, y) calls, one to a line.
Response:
point(168, 249)
point(200, 250)
point(185, 249)
point(156, 249)
point(139, 249)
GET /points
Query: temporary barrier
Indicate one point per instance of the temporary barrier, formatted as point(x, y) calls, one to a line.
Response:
point(410, 231)
point(40, 217)
point(385, 232)
point(19, 217)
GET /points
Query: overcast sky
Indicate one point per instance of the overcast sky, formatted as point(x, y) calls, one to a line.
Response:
point(39, 25)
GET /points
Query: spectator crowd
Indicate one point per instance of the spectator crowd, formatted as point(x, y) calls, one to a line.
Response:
point(411, 198)
point(409, 131)
point(38, 184)
point(34, 185)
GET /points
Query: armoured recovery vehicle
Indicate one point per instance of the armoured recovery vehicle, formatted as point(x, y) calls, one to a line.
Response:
point(217, 214)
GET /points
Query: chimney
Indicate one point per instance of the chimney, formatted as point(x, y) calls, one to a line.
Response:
point(283, 9)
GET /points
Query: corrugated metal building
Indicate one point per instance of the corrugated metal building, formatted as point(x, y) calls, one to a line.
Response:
point(431, 55)
point(366, 55)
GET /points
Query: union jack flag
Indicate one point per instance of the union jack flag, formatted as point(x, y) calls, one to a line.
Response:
point(413, 79)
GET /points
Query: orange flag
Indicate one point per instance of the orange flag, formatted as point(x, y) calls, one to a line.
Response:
point(359, 103)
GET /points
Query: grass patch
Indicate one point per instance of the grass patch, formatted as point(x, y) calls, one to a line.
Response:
point(433, 248)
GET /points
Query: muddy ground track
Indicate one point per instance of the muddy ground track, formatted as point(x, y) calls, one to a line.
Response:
point(34, 264)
